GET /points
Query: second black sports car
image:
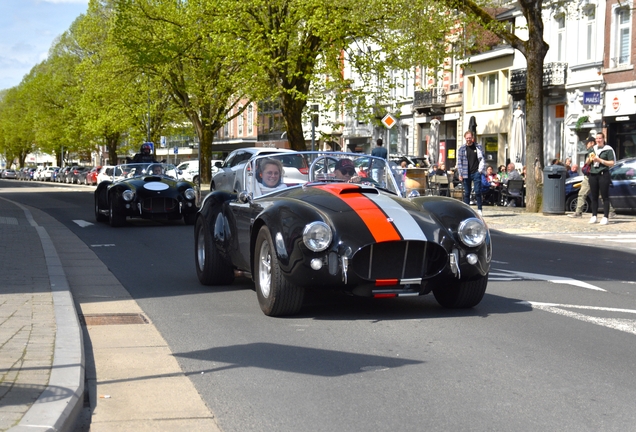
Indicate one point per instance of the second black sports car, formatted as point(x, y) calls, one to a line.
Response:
point(147, 191)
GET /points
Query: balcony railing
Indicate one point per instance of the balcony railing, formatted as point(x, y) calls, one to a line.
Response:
point(553, 76)
point(430, 100)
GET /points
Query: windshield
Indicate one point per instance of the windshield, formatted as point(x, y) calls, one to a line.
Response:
point(126, 171)
point(266, 174)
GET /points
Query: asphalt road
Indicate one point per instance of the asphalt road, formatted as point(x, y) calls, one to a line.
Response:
point(551, 346)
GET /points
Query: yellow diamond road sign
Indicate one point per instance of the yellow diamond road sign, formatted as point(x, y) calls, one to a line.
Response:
point(389, 121)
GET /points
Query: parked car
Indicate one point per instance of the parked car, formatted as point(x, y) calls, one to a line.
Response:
point(37, 174)
point(76, 175)
point(147, 191)
point(91, 177)
point(105, 173)
point(622, 192)
point(47, 173)
point(230, 174)
point(65, 174)
point(9, 174)
point(362, 238)
point(189, 170)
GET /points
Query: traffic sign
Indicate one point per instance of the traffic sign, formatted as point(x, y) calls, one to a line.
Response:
point(389, 121)
point(175, 150)
point(163, 141)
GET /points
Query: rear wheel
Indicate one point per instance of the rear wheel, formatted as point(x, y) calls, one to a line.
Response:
point(211, 269)
point(276, 296)
point(461, 294)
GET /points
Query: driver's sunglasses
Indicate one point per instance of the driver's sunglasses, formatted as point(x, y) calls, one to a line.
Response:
point(348, 171)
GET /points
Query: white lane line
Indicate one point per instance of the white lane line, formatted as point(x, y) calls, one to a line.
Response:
point(624, 325)
point(554, 279)
point(103, 245)
point(603, 237)
point(82, 223)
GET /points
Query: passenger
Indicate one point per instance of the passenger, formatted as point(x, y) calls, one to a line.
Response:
point(346, 171)
point(157, 170)
point(269, 177)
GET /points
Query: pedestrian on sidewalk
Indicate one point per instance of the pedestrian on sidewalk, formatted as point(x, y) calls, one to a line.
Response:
point(602, 159)
point(471, 164)
point(585, 186)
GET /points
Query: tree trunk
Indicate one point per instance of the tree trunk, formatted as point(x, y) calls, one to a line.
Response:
point(112, 141)
point(292, 110)
point(535, 52)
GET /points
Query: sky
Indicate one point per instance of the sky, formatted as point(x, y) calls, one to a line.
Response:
point(28, 29)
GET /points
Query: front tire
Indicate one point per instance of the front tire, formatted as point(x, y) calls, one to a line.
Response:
point(461, 294)
point(211, 269)
point(116, 220)
point(99, 217)
point(276, 295)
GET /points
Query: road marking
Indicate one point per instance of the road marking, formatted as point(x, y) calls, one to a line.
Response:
point(82, 223)
point(624, 325)
point(551, 279)
point(102, 245)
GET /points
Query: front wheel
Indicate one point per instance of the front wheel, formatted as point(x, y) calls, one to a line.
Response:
point(461, 294)
point(99, 217)
point(276, 295)
point(211, 269)
point(115, 219)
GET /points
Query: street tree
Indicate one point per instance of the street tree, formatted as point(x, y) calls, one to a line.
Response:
point(17, 131)
point(534, 49)
point(301, 47)
point(203, 71)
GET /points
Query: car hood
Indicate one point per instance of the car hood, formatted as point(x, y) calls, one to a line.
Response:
point(386, 217)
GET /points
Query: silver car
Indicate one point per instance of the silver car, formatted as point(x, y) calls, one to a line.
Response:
point(229, 177)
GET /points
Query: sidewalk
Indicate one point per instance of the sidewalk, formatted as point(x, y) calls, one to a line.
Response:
point(50, 280)
point(129, 379)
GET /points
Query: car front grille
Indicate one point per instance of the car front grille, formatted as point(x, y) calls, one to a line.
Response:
point(159, 205)
point(399, 260)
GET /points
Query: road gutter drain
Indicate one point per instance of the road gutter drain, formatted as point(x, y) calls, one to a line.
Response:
point(112, 319)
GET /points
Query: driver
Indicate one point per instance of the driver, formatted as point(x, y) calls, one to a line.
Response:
point(346, 171)
point(157, 170)
point(144, 155)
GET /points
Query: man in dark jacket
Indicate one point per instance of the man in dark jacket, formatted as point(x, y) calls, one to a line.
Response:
point(144, 155)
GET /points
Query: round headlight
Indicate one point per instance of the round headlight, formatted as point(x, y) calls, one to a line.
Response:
point(472, 232)
point(317, 236)
point(190, 194)
point(128, 195)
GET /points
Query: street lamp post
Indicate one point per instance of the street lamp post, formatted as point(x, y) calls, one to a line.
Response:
point(314, 121)
point(148, 123)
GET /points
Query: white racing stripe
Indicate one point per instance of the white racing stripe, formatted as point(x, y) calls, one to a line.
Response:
point(403, 221)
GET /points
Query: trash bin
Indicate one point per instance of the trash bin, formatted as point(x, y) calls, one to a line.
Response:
point(554, 189)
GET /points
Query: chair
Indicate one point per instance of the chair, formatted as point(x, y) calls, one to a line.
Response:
point(439, 185)
point(513, 190)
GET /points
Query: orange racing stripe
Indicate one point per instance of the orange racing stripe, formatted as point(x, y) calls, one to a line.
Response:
point(374, 218)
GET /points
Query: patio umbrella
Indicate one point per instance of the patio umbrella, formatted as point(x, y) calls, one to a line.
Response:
point(472, 126)
point(518, 137)
point(433, 143)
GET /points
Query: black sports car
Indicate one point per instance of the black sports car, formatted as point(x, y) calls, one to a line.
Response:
point(345, 228)
point(147, 191)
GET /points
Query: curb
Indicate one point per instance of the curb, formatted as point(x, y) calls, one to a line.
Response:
point(59, 405)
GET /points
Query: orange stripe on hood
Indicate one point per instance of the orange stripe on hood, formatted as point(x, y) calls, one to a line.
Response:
point(374, 218)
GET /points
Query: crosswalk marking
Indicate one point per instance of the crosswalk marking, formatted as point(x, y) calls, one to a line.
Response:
point(506, 275)
point(621, 324)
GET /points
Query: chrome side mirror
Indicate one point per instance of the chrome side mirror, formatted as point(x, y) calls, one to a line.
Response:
point(413, 194)
point(244, 197)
